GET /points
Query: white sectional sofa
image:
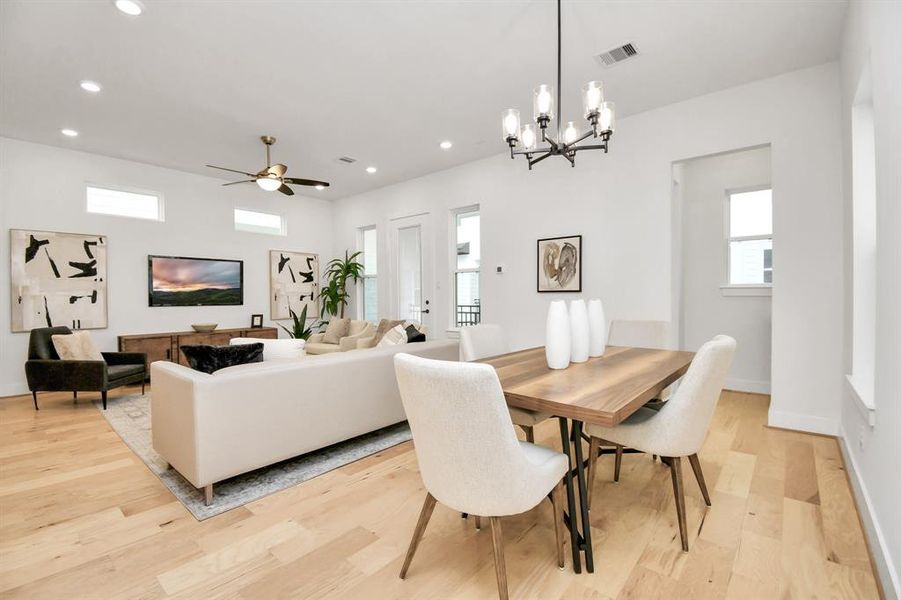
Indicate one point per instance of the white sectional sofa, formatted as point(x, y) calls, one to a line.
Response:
point(212, 427)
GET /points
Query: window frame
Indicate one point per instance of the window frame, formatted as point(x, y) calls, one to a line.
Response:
point(361, 286)
point(282, 219)
point(454, 214)
point(742, 289)
point(160, 201)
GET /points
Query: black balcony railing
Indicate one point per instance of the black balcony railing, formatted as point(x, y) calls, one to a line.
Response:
point(469, 314)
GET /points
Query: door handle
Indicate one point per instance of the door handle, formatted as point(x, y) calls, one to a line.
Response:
point(426, 311)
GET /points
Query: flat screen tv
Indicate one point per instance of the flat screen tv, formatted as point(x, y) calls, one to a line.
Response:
point(186, 281)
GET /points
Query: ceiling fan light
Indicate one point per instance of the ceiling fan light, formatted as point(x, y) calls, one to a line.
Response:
point(592, 96)
point(270, 183)
point(319, 187)
point(543, 103)
point(607, 118)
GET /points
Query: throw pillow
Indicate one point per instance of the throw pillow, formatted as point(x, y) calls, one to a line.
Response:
point(385, 325)
point(337, 329)
point(284, 349)
point(394, 337)
point(77, 345)
point(414, 335)
point(210, 359)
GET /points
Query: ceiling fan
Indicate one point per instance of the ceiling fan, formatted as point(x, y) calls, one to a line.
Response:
point(273, 176)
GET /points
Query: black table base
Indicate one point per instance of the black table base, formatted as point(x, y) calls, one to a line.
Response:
point(580, 537)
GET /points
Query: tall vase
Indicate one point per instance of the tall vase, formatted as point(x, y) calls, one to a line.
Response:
point(557, 344)
point(597, 328)
point(578, 327)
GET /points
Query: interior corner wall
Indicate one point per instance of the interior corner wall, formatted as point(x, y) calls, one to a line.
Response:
point(43, 188)
point(621, 204)
point(872, 37)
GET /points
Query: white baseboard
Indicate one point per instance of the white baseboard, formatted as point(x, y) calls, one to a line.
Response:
point(748, 385)
point(800, 422)
point(885, 567)
point(13, 389)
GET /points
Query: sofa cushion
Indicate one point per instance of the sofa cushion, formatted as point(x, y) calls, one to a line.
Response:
point(114, 372)
point(77, 345)
point(210, 359)
point(337, 329)
point(385, 325)
point(287, 349)
point(321, 348)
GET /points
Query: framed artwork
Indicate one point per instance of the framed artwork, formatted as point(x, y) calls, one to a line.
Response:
point(293, 284)
point(57, 279)
point(256, 321)
point(560, 264)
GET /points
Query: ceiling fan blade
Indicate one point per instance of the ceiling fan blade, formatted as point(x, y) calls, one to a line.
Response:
point(232, 170)
point(297, 181)
point(286, 190)
point(278, 169)
point(242, 181)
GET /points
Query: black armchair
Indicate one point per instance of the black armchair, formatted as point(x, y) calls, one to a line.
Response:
point(46, 372)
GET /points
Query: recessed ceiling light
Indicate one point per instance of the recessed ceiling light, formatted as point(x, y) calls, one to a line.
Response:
point(90, 86)
point(446, 145)
point(371, 169)
point(130, 7)
point(69, 132)
point(319, 187)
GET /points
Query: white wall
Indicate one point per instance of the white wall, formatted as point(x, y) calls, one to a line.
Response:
point(43, 187)
point(621, 204)
point(873, 35)
point(705, 311)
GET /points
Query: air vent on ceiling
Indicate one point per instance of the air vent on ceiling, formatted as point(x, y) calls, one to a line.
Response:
point(347, 159)
point(618, 54)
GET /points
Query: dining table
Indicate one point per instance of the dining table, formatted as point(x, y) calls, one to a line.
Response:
point(604, 390)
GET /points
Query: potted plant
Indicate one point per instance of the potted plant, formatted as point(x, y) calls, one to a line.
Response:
point(334, 294)
point(300, 330)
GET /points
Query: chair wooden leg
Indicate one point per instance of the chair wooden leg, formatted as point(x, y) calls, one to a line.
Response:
point(530, 433)
point(103, 397)
point(75, 396)
point(699, 475)
point(34, 396)
point(594, 446)
point(478, 523)
point(617, 465)
point(208, 494)
point(557, 500)
point(675, 465)
point(143, 384)
point(424, 515)
point(500, 568)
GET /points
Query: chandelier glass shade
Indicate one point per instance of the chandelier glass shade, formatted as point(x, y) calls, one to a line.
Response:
point(537, 144)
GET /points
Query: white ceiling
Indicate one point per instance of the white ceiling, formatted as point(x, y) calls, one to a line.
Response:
point(196, 82)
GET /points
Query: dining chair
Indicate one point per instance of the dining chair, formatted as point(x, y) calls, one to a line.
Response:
point(678, 429)
point(486, 340)
point(469, 457)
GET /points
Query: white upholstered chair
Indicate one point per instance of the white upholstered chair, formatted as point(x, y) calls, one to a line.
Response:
point(469, 457)
point(483, 341)
point(679, 427)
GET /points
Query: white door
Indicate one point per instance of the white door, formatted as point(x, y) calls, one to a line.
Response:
point(413, 281)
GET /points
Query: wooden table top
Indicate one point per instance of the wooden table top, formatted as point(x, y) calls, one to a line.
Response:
point(605, 390)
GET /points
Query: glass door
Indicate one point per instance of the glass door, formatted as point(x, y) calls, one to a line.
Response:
point(411, 282)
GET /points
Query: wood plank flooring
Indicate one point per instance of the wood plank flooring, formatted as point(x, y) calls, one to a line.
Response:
point(82, 517)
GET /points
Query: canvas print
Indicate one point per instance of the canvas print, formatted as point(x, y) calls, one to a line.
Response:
point(57, 279)
point(560, 264)
point(186, 281)
point(293, 283)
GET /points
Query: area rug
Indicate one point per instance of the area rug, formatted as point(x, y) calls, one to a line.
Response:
point(129, 416)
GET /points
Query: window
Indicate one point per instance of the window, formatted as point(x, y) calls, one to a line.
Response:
point(259, 222)
point(369, 290)
point(750, 237)
point(124, 203)
point(468, 254)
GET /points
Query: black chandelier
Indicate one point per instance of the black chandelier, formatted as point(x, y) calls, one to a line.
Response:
point(598, 113)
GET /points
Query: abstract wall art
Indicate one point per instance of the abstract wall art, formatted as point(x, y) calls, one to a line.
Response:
point(560, 264)
point(57, 279)
point(293, 283)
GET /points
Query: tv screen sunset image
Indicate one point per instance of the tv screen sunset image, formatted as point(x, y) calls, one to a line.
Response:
point(195, 282)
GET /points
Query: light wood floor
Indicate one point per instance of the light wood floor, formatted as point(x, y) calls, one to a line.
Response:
point(82, 517)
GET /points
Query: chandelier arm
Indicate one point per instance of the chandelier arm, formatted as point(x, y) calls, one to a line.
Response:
point(538, 159)
point(589, 147)
point(533, 151)
point(586, 135)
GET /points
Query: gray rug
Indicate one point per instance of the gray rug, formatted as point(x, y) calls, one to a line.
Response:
point(129, 416)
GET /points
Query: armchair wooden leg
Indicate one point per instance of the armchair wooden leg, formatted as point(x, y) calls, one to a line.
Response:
point(424, 515)
point(557, 500)
point(500, 568)
point(617, 465)
point(208, 494)
point(699, 475)
point(75, 396)
point(594, 446)
point(143, 383)
point(103, 397)
point(478, 523)
point(530, 433)
point(675, 465)
point(34, 396)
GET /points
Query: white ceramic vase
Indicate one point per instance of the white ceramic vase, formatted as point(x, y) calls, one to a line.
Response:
point(578, 327)
point(597, 328)
point(557, 344)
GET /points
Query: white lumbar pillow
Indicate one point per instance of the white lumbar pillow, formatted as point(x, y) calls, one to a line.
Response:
point(395, 337)
point(275, 349)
